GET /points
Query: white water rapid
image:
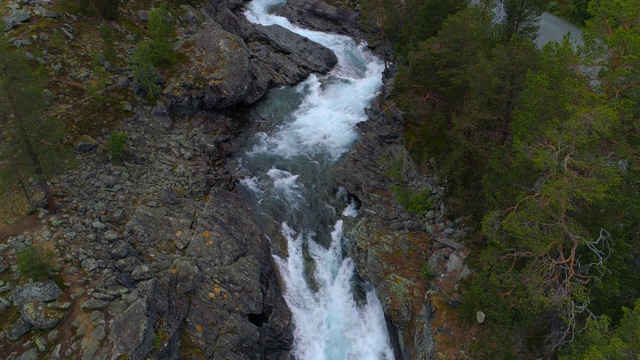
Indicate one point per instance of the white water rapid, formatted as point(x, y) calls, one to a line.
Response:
point(313, 126)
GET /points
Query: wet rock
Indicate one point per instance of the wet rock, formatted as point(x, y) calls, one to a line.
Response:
point(41, 291)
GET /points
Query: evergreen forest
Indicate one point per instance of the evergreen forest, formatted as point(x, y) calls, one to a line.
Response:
point(538, 148)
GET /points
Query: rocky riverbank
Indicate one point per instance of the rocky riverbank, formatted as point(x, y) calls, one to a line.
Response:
point(157, 258)
point(415, 259)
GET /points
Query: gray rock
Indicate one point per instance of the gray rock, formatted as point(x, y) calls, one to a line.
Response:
point(168, 197)
point(161, 115)
point(52, 335)
point(90, 264)
point(4, 304)
point(86, 142)
point(465, 273)
point(31, 354)
point(454, 263)
point(142, 272)
point(38, 315)
point(45, 13)
point(17, 329)
point(41, 291)
point(221, 78)
point(127, 264)
point(131, 333)
point(123, 82)
point(94, 304)
point(480, 317)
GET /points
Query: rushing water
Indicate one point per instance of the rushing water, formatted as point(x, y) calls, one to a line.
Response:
point(314, 125)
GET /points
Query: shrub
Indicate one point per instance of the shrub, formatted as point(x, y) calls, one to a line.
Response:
point(415, 202)
point(35, 262)
point(116, 145)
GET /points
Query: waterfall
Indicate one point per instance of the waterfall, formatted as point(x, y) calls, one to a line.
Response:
point(313, 126)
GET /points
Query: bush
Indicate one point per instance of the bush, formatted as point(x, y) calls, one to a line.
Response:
point(415, 202)
point(116, 145)
point(35, 263)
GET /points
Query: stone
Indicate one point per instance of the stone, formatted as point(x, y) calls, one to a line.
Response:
point(89, 264)
point(45, 13)
point(41, 291)
point(41, 343)
point(93, 304)
point(31, 354)
point(160, 114)
point(142, 272)
point(38, 315)
point(128, 332)
point(17, 329)
point(111, 235)
point(464, 274)
point(168, 196)
point(127, 264)
point(454, 263)
point(98, 225)
point(480, 316)
point(85, 143)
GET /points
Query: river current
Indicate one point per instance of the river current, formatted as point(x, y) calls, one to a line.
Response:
point(313, 126)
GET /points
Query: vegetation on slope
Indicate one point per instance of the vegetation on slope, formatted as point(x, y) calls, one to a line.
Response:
point(540, 147)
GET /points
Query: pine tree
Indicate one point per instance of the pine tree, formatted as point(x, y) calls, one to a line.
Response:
point(32, 146)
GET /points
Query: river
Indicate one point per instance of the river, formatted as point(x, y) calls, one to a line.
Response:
point(313, 125)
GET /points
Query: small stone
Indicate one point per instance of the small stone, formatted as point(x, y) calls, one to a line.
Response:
point(90, 264)
point(111, 235)
point(480, 316)
point(94, 304)
point(142, 272)
point(454, 263)
point(98, 225)
point(41, 343)
point(52, 335)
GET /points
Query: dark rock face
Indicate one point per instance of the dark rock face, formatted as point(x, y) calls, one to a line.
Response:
point(238, 286)
point(221, 75)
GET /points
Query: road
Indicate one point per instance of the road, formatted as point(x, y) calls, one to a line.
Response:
point(553, 28)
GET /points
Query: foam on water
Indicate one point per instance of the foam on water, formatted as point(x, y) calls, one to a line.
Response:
point(329, 323)
point(333, 104)
point(315, 126)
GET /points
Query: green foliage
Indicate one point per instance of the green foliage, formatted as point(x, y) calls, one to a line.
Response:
point(116, 145)
point(32, 140)
point(598, 340)
point(415, 202)
point(427, 272)
point(155, 52)
point(145, 72)
point(107, 9)
point(161, 34)
point(34, 262)
point(107, 36)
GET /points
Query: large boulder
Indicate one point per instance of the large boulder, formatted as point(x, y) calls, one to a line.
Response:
point(41, 291)
point(218, 77)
